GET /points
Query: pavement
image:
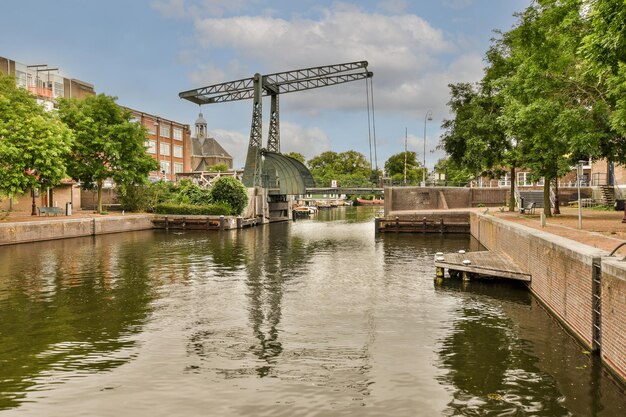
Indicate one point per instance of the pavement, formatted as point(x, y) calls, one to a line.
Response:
point(600, 229)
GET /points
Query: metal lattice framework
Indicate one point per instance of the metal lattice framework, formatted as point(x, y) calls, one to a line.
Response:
point(273, 85)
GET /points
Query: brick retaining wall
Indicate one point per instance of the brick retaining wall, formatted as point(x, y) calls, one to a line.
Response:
point(561, 272)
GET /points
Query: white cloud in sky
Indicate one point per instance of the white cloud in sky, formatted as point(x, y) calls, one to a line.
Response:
point(294, 138)
point(404, 51)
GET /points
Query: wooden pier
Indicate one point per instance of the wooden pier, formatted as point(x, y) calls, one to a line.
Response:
point(483, 263)
point(424, 222)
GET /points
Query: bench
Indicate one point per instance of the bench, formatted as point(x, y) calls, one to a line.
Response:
point(528, 209)
point(50, 210)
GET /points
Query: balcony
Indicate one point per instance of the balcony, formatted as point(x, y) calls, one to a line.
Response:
point(41, 92)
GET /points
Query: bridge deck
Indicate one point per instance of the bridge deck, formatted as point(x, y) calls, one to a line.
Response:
point(494, 264)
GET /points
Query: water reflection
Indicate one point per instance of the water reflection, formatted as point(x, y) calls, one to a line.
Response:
point(506, 356)
point(315, 317)
point(69, 308)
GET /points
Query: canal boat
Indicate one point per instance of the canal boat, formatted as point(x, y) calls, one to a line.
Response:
point(374, 202)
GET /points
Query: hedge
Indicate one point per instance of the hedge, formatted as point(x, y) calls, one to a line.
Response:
point(210, 209)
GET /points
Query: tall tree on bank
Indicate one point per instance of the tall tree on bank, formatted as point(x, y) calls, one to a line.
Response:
point(543, 107)
point(33, 143)
point(474, 139)
point(603, 52)
point(395, 168)
point(107, 145)
point(349, 168)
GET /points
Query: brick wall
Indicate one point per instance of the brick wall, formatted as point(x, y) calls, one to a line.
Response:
point(613, 335)
point(561, 272)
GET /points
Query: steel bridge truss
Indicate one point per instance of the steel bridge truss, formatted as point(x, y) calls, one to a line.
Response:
point(273, 85)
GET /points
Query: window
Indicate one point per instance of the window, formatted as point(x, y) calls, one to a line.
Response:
point(59, 91)
point(178, 133)
point(178, 167)
point(165, 149)
point(505, 181)
point(151, 128)
point(541, 181)
point(165, 166)
point(523, 179)
point(151, 146)
point(178, 151)
point(165, 131)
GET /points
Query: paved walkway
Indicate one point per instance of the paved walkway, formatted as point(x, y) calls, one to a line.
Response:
point(601, 229)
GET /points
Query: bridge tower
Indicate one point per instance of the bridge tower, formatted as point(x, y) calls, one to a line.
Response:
point(266, 166)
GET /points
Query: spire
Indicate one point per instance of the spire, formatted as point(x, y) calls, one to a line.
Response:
point(201, 128)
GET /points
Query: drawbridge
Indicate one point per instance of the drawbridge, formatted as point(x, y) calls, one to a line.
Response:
point(266, 167)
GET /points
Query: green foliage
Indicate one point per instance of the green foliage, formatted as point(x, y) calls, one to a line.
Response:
point(349, 168)
point(231, 191)
point(107, 145)
point(214, 209)
point(296, 155)
point(218, 168)
point(455, 175)
point(142, 197)
point(186, 192)
point(33, 143)
point(394, 166)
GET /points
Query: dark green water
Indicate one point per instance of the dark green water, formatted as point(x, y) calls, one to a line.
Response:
point(313, 318)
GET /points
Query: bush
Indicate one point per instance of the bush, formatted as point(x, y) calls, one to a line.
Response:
point(231, 191)
point(139, 197)
point(215, 209)
point(189, 193)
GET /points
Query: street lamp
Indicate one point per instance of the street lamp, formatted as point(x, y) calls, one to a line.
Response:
point(579, 177)
point(428, 116)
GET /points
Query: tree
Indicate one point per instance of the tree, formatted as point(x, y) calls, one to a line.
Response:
point(546, 106)
point(218, 168)
point(603, 52)
point(296, 155)
point(455, 175)
point(33, 143)
point(394, 167)
point(107, 145)
point(231, 191)
point(475, 140)
point(349, 168)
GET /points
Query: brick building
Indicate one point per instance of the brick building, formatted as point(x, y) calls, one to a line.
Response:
point(206, 151)
point(168, 142)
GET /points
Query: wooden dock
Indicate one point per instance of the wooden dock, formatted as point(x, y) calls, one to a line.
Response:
point(483, 263)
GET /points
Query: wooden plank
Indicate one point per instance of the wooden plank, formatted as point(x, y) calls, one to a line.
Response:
point(494, 264)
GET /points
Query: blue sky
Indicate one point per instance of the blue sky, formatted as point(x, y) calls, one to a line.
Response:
point(147, 51)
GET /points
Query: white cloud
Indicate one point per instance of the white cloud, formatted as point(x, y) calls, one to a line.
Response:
point(402, 51)
point(170, 8)
point(294, 138)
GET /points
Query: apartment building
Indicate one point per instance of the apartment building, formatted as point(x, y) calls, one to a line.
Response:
point(46, 83)
point(168, 142)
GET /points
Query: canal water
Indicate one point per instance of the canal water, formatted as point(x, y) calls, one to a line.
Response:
point(318, 317)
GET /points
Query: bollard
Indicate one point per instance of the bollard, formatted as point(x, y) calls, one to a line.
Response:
point(222, 222)
point(239, 222)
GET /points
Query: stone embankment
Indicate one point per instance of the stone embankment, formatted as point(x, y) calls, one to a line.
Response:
point(51, 228)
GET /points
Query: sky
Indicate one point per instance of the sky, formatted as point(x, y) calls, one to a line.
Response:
point(144, 52)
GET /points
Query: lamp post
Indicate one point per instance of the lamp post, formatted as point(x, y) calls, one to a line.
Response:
point(428, 116)
point(579, 177)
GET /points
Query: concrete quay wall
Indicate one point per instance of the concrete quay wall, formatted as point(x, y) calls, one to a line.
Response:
point(562, 279)
point(34, 231)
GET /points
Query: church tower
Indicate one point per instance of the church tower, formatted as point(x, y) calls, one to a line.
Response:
point(201, 129)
